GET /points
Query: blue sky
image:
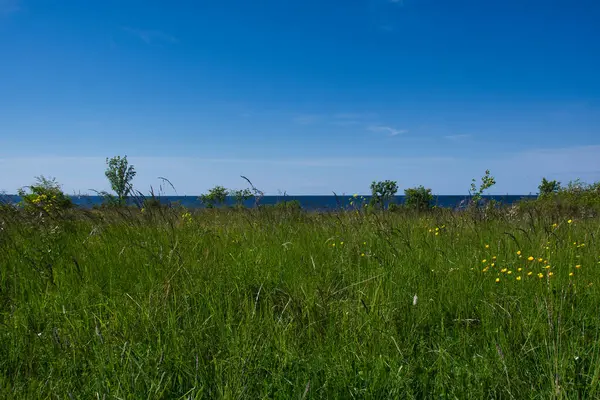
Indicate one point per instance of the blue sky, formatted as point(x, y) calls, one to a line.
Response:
point(306, 97)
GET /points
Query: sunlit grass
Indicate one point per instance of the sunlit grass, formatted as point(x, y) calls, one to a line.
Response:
point(169, 303)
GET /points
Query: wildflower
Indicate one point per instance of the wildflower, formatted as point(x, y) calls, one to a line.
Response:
point(364, 242)
point(540, 259)
point(578, 266)
point(569, 221)
point(529, 273)
point(494, 258)
point(485, 269)
point(547, 267)
point(530, 258)
point(555, 225)
point(503, 270)
point(484, 261)
point(540, 275)
point(519, 269)
point(497, 280)
point(437, 229)
point(519, 252)
point(437, 233)
point(341, 243)
point(571, 274)
point(518, 278)
point(509, 272)
point(355, 196)
point(550, 273)
point(332, 244)
point(493, 264)
point(362, 254)
point(487, 246)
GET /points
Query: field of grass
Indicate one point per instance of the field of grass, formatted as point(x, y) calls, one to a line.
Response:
point(255, 304)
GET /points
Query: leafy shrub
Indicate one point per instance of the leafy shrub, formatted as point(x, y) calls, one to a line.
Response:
point(547, 187)
point(240, 196)
point(120, 175)
point(46, 194)
point(418, 198)
point(382, 192)
point(215, 197)
point(487, 181)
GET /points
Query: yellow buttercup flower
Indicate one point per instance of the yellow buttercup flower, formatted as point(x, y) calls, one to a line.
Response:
point(570, 274)
point(530, 258)
point(519, 252)
point(518, 278)
point(497, 280)
point(569, 221)
point(529, 273)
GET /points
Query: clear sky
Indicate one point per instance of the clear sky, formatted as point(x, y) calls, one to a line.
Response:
point(307, 96)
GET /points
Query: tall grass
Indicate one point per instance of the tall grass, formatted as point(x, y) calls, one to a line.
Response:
point(170, 303)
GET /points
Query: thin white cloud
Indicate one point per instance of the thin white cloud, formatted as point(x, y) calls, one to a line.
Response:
point(151, 36)
point(387, 129)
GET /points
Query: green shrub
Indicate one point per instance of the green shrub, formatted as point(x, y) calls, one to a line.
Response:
point(382, 192)
point(547, 187)
point(418, 198)
point(215, 197)
point(44, 195)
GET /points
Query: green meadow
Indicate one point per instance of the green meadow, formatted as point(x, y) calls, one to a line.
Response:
point(122, 303)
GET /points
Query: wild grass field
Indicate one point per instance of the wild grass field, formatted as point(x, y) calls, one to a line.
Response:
point(170, 303)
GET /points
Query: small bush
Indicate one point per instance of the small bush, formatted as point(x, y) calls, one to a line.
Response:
point(45, 195)
point(418, 198)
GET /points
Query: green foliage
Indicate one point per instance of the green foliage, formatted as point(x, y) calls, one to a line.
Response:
point(215, 197)
point(418, 198)
point(46, 195)
point(114, 304)
point(120, 175)
point(290, 205)
point(241, 195)
point(547, 187)
point(487, 181)
point(382, 192)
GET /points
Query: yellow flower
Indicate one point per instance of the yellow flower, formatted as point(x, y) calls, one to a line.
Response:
point(578, 266)
point(519, 269)
point(519, 252)
point(554, 225)
point(530, 258)
point(569, 221)
point(509, 272)
point(503, 270)
point(518, 278)
point(540, 259)
point(484, 261)
point(355, 196)
point(485, 269)
point(362, 254)
point(341, 243)
point(493, 264)
point(437, 229)
point(333, 245)
point(547, 267)
point(437, 233)
point(494, 258)
point(550, 273)
point(487, 246)
point(570, 274)
point(540, 275)
point(497, 280)
point(529, 273)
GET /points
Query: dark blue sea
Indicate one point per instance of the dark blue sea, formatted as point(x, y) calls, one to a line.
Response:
point(311, 203)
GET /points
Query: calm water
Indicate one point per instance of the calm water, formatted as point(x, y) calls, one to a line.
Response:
point(307, 202)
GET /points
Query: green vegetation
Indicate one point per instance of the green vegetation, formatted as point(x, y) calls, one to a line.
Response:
point(45, 195)
point(274, 302)
point(263, 303)
point(382, 192)
point(418, 198)
point(120, 175)
point(215, 197)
